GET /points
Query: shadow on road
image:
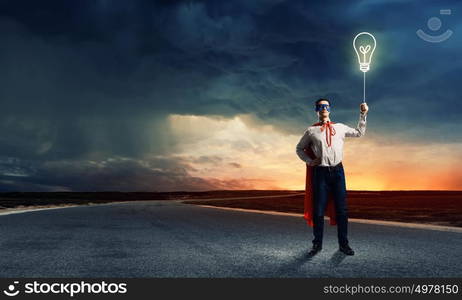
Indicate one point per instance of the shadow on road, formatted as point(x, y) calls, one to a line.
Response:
point(292, 266)
point(337, 258)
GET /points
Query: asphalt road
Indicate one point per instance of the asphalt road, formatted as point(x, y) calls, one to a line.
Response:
point(172, 239)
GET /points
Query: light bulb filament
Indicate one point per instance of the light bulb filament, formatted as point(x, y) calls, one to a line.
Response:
point(364, 50)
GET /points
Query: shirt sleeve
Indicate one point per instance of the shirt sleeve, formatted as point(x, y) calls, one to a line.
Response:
point(303, 144)
point(360, 130)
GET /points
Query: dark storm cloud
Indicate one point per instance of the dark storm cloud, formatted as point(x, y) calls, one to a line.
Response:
point(89, 80)
point(114, 174)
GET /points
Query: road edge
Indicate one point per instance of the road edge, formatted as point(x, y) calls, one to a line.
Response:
point(364, 221)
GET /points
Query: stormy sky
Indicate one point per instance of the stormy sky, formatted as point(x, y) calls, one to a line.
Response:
point(100, 95)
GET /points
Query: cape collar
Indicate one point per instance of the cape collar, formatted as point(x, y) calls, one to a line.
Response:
point(321, 123)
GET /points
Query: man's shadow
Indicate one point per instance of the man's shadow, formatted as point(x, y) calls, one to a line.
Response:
point(295, 264)
point(337, 258)
point(303, 257)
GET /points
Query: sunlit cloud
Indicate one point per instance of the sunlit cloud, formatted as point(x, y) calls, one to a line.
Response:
point(264, 158)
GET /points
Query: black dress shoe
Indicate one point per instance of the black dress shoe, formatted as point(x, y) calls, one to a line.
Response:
point(316, 248)
point(346, 249)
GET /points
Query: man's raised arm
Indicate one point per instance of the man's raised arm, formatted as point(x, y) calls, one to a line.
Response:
point(360, 130)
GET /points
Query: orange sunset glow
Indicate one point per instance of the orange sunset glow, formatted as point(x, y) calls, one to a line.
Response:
point(253, 155)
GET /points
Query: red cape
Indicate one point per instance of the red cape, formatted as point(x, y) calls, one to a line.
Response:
point(308, 205)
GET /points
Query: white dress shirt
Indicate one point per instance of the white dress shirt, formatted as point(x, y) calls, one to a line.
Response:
point(316, 139)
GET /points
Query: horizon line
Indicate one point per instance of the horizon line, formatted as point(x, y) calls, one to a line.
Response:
point(205, 191)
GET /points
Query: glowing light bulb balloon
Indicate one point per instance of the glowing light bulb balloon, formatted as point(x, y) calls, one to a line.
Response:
point(364, 44)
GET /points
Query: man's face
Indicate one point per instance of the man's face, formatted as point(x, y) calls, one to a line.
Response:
point(323, 112)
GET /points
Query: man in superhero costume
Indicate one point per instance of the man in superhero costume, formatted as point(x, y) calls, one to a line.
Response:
point(321, 148)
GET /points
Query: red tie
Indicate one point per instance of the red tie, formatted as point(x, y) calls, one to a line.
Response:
point(330, 131)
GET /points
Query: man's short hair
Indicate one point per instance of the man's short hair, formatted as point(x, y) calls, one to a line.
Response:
point(321, 99)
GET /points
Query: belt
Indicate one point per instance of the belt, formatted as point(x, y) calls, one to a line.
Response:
point(339, 165)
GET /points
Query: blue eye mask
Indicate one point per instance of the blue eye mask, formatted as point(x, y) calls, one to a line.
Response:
point(320, 107)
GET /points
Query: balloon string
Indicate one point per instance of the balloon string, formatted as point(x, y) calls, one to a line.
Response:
point(364, 87)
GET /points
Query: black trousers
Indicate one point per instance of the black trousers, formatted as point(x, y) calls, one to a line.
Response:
point(329, 180)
